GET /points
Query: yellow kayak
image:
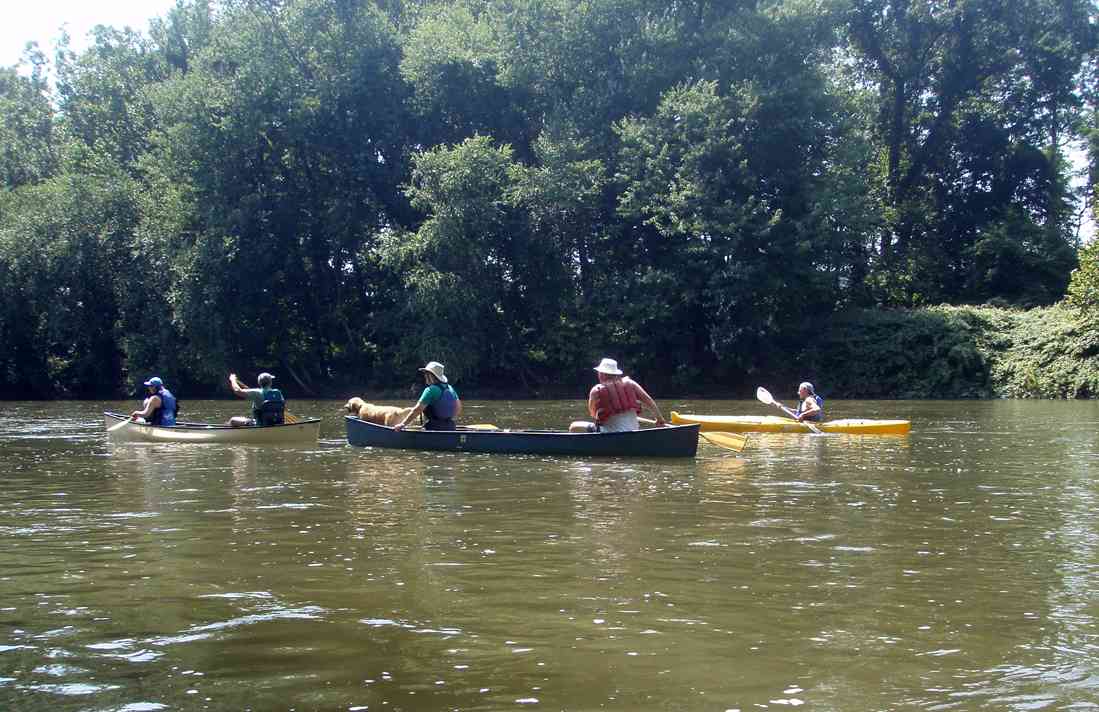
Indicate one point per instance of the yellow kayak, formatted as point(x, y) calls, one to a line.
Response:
point(779, 424)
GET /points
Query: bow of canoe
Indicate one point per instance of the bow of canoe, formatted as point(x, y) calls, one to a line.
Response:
point(121, 429)
point(778, 424)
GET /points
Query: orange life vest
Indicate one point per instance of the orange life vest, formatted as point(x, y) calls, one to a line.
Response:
point(614, 397)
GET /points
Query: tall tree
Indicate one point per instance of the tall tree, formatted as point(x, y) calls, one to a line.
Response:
point(28, 140)
point(479, 281)
point(289, 137)
point(943, 70)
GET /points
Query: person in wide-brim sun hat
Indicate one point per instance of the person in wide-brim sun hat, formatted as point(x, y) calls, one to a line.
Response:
point(615, 402)
point(439, 402)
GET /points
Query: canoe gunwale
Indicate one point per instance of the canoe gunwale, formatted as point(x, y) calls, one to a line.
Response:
point(302, 432)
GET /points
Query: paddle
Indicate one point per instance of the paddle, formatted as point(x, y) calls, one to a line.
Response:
point(731, 441)
point(119, 424)
point(764, 397)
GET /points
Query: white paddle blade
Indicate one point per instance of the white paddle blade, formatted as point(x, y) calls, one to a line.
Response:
point(118, 425)
point(764, 396)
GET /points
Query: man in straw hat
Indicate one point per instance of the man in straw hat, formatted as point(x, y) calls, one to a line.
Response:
point(439, 401)
point(615, 402)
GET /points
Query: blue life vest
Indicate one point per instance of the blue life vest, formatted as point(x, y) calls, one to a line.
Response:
point(165, 415)
point(440, 414)
point(273, 409)
point(819, 415)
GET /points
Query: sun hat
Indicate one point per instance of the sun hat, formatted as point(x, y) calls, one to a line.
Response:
point(435, 369)
point(265, 378)
point(609, 366)
point(154, 381)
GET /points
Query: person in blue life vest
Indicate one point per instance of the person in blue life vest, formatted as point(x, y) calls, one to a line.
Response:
point(160, 406)
point(268, 403)
point(810, 405)
point(615, 402)
point(438, 402)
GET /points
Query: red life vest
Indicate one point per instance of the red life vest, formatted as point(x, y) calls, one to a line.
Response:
point(614, 397)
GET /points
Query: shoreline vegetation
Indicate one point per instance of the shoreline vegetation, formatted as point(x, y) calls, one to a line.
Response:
point(945, 352)
point(961, 352)
point(719, 195)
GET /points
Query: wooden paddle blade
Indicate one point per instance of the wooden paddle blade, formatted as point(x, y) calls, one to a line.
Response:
point(732, 441)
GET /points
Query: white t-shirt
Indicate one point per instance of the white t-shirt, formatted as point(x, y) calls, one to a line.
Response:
point(621, 423)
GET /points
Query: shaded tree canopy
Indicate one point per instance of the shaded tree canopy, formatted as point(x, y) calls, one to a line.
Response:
point(340, 190)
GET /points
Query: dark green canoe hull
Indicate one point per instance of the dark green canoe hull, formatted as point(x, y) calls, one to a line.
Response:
point(674, 441)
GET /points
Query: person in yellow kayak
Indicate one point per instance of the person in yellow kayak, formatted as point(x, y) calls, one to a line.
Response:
point(615, 402)
point(810, 405)
point(439, 402)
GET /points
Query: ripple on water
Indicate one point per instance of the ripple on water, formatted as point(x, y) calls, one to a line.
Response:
point(71, 688)
point(200, 632)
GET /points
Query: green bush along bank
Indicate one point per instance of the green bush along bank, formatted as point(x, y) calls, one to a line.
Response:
point(959, 352)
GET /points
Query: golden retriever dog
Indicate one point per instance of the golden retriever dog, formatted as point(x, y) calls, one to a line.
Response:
point(378, 414)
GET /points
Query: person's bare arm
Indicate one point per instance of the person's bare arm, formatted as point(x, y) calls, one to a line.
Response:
point(411, 414)
point(151, 404)
point(808, 407)
point(647, 400)
point(238, 390)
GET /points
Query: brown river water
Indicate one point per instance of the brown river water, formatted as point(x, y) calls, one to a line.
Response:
point(955, 568)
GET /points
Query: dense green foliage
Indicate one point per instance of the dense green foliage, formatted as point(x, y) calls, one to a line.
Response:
point(1083, 290)
point(340, 190)
point(959, 352)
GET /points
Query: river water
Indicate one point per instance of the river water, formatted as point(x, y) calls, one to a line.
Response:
point(955, 568)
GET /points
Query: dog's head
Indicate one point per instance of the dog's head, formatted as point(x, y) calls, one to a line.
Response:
point(353, 405)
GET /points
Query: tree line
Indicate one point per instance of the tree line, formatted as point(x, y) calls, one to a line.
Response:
point(341, 190)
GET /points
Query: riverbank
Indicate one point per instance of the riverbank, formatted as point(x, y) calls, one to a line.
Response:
point(959, 352)
point(942, 352)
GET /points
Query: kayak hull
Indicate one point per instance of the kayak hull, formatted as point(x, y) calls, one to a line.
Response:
point(652, 442)
point(779, 424)
point(302, 432)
